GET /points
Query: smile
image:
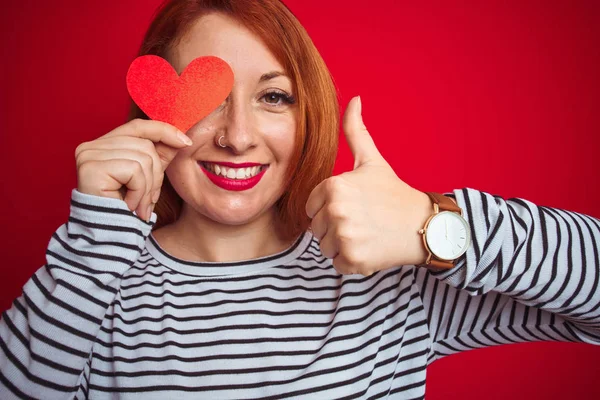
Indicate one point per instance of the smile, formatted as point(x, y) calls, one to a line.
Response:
point(233, 173)
point(235, 179)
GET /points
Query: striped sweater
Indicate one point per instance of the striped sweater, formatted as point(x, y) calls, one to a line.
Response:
point(112, 315)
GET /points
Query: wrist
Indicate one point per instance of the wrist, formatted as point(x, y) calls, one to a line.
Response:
point(422, 210)
point(416, 253)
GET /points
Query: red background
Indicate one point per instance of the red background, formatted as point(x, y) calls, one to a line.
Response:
point(501, 96)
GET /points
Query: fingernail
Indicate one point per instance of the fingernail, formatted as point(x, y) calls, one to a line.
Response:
point(184, 139)
point(149, 213)
point(359, 105)
point(156, 196)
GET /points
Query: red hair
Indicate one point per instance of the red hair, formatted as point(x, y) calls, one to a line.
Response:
point(317, 100)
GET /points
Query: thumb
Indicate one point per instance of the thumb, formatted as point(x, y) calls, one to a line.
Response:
point(360, 141)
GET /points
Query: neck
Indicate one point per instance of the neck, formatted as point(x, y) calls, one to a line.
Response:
point(194, 237)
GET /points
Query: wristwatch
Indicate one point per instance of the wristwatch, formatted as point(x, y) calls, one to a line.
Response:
point(446, 234)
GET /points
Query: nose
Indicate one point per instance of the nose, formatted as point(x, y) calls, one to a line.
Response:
point(238, 125)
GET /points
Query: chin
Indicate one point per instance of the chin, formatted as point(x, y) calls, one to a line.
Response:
point(229, 207)
point(233, 218)
point(232, 213)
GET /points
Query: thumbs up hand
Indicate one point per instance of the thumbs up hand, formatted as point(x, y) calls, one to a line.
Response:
point(367, 219)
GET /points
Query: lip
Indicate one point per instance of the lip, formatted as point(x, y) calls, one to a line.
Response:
point(233, 184)
point(234, 165)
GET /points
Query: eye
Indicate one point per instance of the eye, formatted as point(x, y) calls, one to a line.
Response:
point(273, 97)
point(276, 98)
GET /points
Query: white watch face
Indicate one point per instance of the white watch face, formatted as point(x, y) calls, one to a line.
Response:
point(448, 235)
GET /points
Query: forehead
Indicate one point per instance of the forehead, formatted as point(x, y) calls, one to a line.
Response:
point(222, 36)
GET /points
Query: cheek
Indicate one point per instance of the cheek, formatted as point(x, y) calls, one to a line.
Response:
point(280, 136)
point(172, 172)
point(203, 129)
point(179, 171)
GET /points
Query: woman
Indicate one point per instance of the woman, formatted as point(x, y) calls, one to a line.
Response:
point(231, 295)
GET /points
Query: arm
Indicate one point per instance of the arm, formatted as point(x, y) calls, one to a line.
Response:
point(47, 335)
point(531, 273)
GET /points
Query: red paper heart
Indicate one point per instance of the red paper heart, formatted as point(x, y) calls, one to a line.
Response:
point(179, 100)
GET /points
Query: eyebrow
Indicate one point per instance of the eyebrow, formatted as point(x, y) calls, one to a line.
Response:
point(271, 75)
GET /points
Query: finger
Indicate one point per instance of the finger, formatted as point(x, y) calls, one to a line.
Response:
point(359, 140)
point(146, 168)
point(128, 172)
point(121, 172)
point(342, 265)
point(318, 225)
point(328, 245)
point(156, 131)
point(142, 145)
point(316, 199)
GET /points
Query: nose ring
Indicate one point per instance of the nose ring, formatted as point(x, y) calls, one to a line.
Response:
point(222, 145)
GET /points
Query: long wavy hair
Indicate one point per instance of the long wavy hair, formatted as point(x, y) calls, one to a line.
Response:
point(317, 97)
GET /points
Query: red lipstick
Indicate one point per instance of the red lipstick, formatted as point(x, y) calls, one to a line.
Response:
point(233, 184)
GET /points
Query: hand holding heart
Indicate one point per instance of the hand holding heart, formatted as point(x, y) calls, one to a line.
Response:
point(367, 219)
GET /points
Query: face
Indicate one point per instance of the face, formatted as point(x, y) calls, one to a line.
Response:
point(258, 120)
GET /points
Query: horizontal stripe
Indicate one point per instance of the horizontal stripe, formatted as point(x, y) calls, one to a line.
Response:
point(106, 210)
point(34, 356)
point(90, 254)
point(106, 227)
point(32, 377)
point(12, 388)
point(97, 282)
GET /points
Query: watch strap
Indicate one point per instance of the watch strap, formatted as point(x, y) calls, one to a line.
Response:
point(440, 264)
point(444, 203)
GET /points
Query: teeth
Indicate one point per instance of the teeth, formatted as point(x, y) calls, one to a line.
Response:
point(233, 173)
